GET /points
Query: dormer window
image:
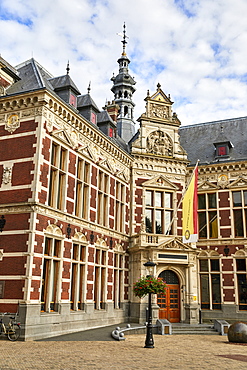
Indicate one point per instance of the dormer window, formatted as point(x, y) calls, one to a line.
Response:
point(222, 149)
point(93, 118)
point(72, 100)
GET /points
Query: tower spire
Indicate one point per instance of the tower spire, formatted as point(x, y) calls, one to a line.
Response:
point(124, 39)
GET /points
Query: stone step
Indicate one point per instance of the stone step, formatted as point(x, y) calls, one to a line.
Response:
point(193, 329)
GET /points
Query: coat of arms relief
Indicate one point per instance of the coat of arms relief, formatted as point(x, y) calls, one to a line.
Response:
point(158, 142)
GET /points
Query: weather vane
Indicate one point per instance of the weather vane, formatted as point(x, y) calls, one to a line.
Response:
point(124, 36)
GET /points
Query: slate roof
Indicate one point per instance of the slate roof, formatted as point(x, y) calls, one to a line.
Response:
point(198, 140)
point(64, 81)
point(33, 76)
point(86, 101)
point(104, 116)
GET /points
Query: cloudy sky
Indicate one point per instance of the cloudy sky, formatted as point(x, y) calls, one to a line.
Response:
point(196, 49)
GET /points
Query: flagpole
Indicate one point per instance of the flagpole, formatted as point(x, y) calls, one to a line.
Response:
point(183, 194)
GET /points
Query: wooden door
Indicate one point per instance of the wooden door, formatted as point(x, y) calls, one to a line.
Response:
point(169, 303)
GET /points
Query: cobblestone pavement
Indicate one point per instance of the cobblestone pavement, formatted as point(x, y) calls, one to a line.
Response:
point(170, 352)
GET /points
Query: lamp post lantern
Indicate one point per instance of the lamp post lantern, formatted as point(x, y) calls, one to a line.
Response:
point(2, 222)
point(149, 343)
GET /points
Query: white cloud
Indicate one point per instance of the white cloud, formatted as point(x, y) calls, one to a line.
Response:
point(194, 48)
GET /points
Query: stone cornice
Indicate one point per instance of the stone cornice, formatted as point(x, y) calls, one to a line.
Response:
point(45, 99)
point(60, 216)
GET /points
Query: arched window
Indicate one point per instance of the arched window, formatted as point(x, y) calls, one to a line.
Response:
point(125, 110)
point(170, 277)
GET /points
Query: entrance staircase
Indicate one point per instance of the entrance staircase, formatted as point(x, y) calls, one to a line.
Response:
point(203, 329)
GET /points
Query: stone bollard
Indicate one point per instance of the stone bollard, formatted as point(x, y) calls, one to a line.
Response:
point(237, 332)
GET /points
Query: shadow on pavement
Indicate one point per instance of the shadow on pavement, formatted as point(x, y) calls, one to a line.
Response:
point(98, 334)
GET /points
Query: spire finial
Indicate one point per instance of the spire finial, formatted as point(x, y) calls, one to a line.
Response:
point(89, 88)
point(67, 68)
point(124, 39)
point(158, 86)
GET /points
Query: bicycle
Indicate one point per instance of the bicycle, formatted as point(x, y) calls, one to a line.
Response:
point(13, 329)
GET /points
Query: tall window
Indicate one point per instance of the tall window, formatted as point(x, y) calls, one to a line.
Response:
point(50, 291)
point(239, 202)
point(58, 170)
point(210, 284)
point(158, 211)
point(103, 199)
point(242, 283)
point(82, 189)
point(207, 215)
point(120, 206)
point(100, 279)
point(118, 280)
point(78, 276)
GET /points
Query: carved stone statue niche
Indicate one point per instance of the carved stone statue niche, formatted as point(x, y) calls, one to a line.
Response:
point(158, 142)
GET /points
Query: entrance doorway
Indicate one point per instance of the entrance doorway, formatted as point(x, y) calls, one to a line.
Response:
point(169, 303)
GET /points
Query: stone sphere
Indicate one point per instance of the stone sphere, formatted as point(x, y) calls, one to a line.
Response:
point(237, 332)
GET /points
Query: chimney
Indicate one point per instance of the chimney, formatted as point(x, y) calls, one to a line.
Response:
point(112, 109)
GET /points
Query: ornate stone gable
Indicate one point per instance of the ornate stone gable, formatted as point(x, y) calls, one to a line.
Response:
point(158, 107)
point(70, 138)
point(239, 183)
point(160, 182)
point(175, 244)
point(206, 185)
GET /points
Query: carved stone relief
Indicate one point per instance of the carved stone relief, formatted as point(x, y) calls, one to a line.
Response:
point(158, 111)
point(158, 142)
point(7, 175)
point(12, 123)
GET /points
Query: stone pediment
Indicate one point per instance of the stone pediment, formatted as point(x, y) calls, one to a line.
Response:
point(63, 136)
point(87, 151)
point(160, 96)
point(160, 182)
point(106, 164)
point(239, 183)
point(175, 244)
point(206, 185)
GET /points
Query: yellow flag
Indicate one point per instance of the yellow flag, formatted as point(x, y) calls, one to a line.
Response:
point(190, 222)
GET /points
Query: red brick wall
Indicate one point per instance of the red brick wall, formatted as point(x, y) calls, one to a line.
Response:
point(21, 173)
point(18, 147)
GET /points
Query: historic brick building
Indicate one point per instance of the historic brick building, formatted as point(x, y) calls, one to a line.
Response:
point(86, 203)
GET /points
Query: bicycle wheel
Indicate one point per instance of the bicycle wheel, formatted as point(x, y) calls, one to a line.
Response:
point(14, 332)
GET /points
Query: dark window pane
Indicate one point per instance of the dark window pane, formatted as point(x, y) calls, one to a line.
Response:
point(236, 196)
point(149, 223)
point(216, 297)
point(238, 222)
point(201, 201)
point(215, 265)
point(212, 200)
point(204, 291)
point(245, 198)
point(242, 291)
point(241, 264)
point(202, 225)
point(203, 265)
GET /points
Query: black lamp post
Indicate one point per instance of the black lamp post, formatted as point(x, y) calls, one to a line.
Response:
point(226, 250)
point(149, 343)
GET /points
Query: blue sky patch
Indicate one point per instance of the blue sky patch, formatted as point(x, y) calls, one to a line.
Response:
point(7, 16)
point(186, 7)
